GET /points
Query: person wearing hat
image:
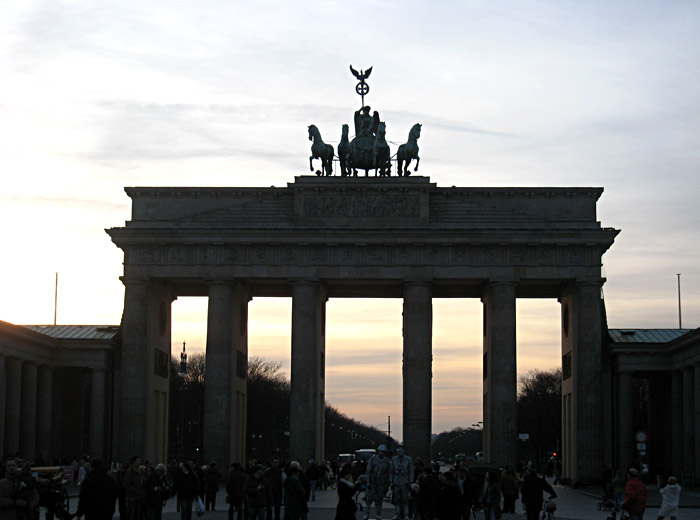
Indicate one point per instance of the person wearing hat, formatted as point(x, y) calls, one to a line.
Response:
point(258, 492)
point(378, 477)
point(635, 495)
point(401, 478)
point(670, 496)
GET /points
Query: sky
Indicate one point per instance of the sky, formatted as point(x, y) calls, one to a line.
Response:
point(98, 95)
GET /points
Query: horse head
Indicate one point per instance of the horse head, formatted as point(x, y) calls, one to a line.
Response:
point(381, 131)
point(313, 132)
point(346, 131)
point(415, 131)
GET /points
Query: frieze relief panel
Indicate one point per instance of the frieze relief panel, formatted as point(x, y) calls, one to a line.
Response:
point(357, 205)
point(361, 255)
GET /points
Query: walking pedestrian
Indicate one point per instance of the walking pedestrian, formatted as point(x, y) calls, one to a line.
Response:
point(186, 489)
point(510, 486)
point(295, 507)
point(533, 493)
point(212, 476)
point(491, 496)
point(347, 488)
point(670, 497)
point(235, 488)
point(156, 491)
point(635, 495)
point(98, 493)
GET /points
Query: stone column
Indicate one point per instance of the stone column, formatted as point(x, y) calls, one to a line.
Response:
point(3, 383)
point(688, 418)
point(134, 370)
point(417, 368)
point(676, 403)
point(14, 404)
point(28, 412)
point(217, 386)
point(306, 412)
point(696, 400)
point(500, 374)
point(97, 412)
point(625, 429)
point(45, 411)
point(587, 398)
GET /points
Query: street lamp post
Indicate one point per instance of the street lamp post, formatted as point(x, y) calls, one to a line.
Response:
point(182, 373)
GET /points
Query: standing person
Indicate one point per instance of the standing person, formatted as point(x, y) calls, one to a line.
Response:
point(428, 495)
point(313, 474)
point(670, 496)
point(347, 488)
point(274, 477)
point(133, 489)
point(510, 485)
point(465, 492)
point(449, 497)
point(26, 490)
point(378, 477)
point(635, 495)
point(491, 496)
point(186, 489)
point(533, 493)
point(618, 489)
point(12, 506)
point(235, 487)
point(98, 493)
point(156, 491)
point(211, 486)
point(259, 494)
point(294, 495)
point(401, 479)
point(121, 492)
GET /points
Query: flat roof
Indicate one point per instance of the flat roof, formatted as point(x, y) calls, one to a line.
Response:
point(89, 332)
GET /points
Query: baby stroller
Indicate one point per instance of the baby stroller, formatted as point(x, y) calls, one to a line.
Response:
point(606, 503)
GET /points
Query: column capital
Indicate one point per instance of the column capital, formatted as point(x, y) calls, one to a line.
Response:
point(418, 282)
point(127, 280)
point(590, 282)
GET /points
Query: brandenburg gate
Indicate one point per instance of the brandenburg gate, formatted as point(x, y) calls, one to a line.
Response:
point(351, 237)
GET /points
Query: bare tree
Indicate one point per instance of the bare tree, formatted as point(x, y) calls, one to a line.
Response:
point(539, 410)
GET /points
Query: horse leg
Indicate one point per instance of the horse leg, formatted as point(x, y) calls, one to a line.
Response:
point(311, 163)
point(417, 163)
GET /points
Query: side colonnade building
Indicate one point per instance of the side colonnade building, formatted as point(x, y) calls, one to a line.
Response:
point(56, 390)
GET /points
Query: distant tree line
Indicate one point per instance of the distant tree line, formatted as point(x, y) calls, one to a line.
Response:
point(267, 414)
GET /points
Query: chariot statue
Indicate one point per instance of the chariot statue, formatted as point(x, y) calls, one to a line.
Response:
point(368, 149)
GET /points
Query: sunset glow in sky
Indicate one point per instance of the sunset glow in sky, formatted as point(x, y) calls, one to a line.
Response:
point(96, 96)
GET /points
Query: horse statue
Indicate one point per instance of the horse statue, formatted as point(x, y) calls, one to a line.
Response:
point(381, 154)
point(344, 152)
point(408, 152)
point(320, 150)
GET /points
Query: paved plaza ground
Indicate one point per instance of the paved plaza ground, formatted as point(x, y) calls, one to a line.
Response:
point(573, 504)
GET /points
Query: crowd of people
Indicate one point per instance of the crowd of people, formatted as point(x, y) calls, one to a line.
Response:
point(139, 490)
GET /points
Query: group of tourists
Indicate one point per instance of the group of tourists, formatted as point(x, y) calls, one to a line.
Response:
point(628, 492)
point(427, 493)
point(139, 490)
